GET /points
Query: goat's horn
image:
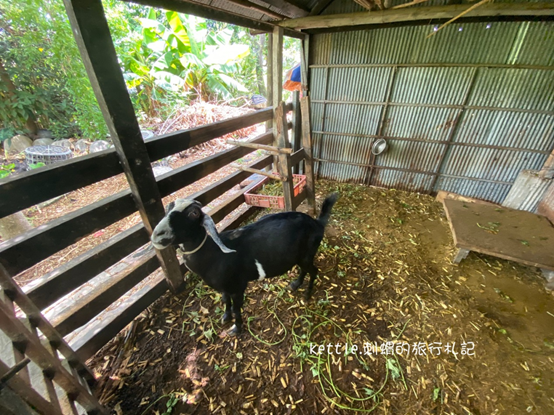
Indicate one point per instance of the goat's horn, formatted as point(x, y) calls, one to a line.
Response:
point(209, 225)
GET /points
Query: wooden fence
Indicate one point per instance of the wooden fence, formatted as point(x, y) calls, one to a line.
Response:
point(25, 251)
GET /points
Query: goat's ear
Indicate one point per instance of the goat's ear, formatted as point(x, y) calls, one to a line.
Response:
point(169, 207)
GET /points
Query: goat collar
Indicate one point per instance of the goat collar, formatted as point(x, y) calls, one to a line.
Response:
point(198, 247)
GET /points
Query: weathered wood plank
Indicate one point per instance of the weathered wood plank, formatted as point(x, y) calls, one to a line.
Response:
point(85, 309)
point(26, 189)
point(499, 232)
point(97, 334)
point(285, 168)
point(216, 189)
point(94, 42)
point(49, 288)
point(253, 6)
point(26, 250)
point(168, 144)
point(296, 138)
point(29, 188)
point(277, 68)
point(32, 312)
point(426, 14)
point(309, 159)
point(297, 157)
point(192, 172)
point(38, 244)
point(214, 13)
point(289, 9)
point(49, 363)
point(28, 394)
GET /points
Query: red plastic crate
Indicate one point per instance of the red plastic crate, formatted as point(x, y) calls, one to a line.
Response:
point(273, 202)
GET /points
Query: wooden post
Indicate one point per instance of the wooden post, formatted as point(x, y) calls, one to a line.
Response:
point(277, 83)
point(296, 127)
point(305, 64)
point(547, 171)
point(309, 159)
point(269, 124)
point(277, 67)
point(285, 169)
point(98, 53)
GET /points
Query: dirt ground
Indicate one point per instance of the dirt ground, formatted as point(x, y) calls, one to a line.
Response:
point(424, 336)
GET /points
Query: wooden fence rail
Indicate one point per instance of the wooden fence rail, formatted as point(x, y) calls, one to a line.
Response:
point(25, 338)
point(30, 188)
point(38, 244)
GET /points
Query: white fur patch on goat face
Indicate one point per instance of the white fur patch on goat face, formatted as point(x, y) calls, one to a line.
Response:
point(163, 235)
point(182, 204)
point(261, 271)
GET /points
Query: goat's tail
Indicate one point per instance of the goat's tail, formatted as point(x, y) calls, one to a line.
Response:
point(328, 204)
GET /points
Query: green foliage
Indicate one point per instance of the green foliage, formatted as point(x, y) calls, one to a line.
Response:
point(176, 59)
point(44, 76)
point(6, 169)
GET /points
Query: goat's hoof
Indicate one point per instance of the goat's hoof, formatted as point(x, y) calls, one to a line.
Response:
point(308, 295)
point(293, 286)
point(235, 330)
point(227, 317)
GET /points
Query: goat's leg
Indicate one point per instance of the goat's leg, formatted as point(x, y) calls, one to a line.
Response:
point(299, 281)
point(227, 316)
point(238, 300)
point(312, 269)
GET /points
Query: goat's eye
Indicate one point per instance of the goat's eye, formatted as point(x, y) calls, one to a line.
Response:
point(193, 214)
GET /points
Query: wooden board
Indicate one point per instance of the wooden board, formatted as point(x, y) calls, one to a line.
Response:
point(511, 234)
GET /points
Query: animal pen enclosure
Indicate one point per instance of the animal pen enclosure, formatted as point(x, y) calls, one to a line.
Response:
point(464, 111)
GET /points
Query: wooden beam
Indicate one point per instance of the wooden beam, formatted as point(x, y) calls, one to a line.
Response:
point(24, 390)
point(33, 314)
point(214, 13)
point(97, 50)
point(42, 184)
point(253, 6)
point(269, 149)
point(289, 9)
point(95, 335)
point(285, 168)
point(168, 144)
point(82, 310)
point(320, 6)
point(213, 191)
point(296, 138)
point(297, 156)
point(309, 158)
point(260, 172)
point(49, 363)
point(192, 172)
point(29, 188)
point(26, 250)
point(277, 69)
point(492, 10)
point(49, 288)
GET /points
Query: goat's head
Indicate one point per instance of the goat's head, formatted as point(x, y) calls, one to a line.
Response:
point(184, 218)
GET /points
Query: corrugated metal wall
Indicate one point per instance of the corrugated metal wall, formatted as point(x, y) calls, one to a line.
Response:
point(464, 111)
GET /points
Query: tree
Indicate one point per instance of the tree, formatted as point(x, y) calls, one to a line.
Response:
point(43, 76)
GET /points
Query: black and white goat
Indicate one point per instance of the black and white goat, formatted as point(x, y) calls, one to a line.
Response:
point(228, 261)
